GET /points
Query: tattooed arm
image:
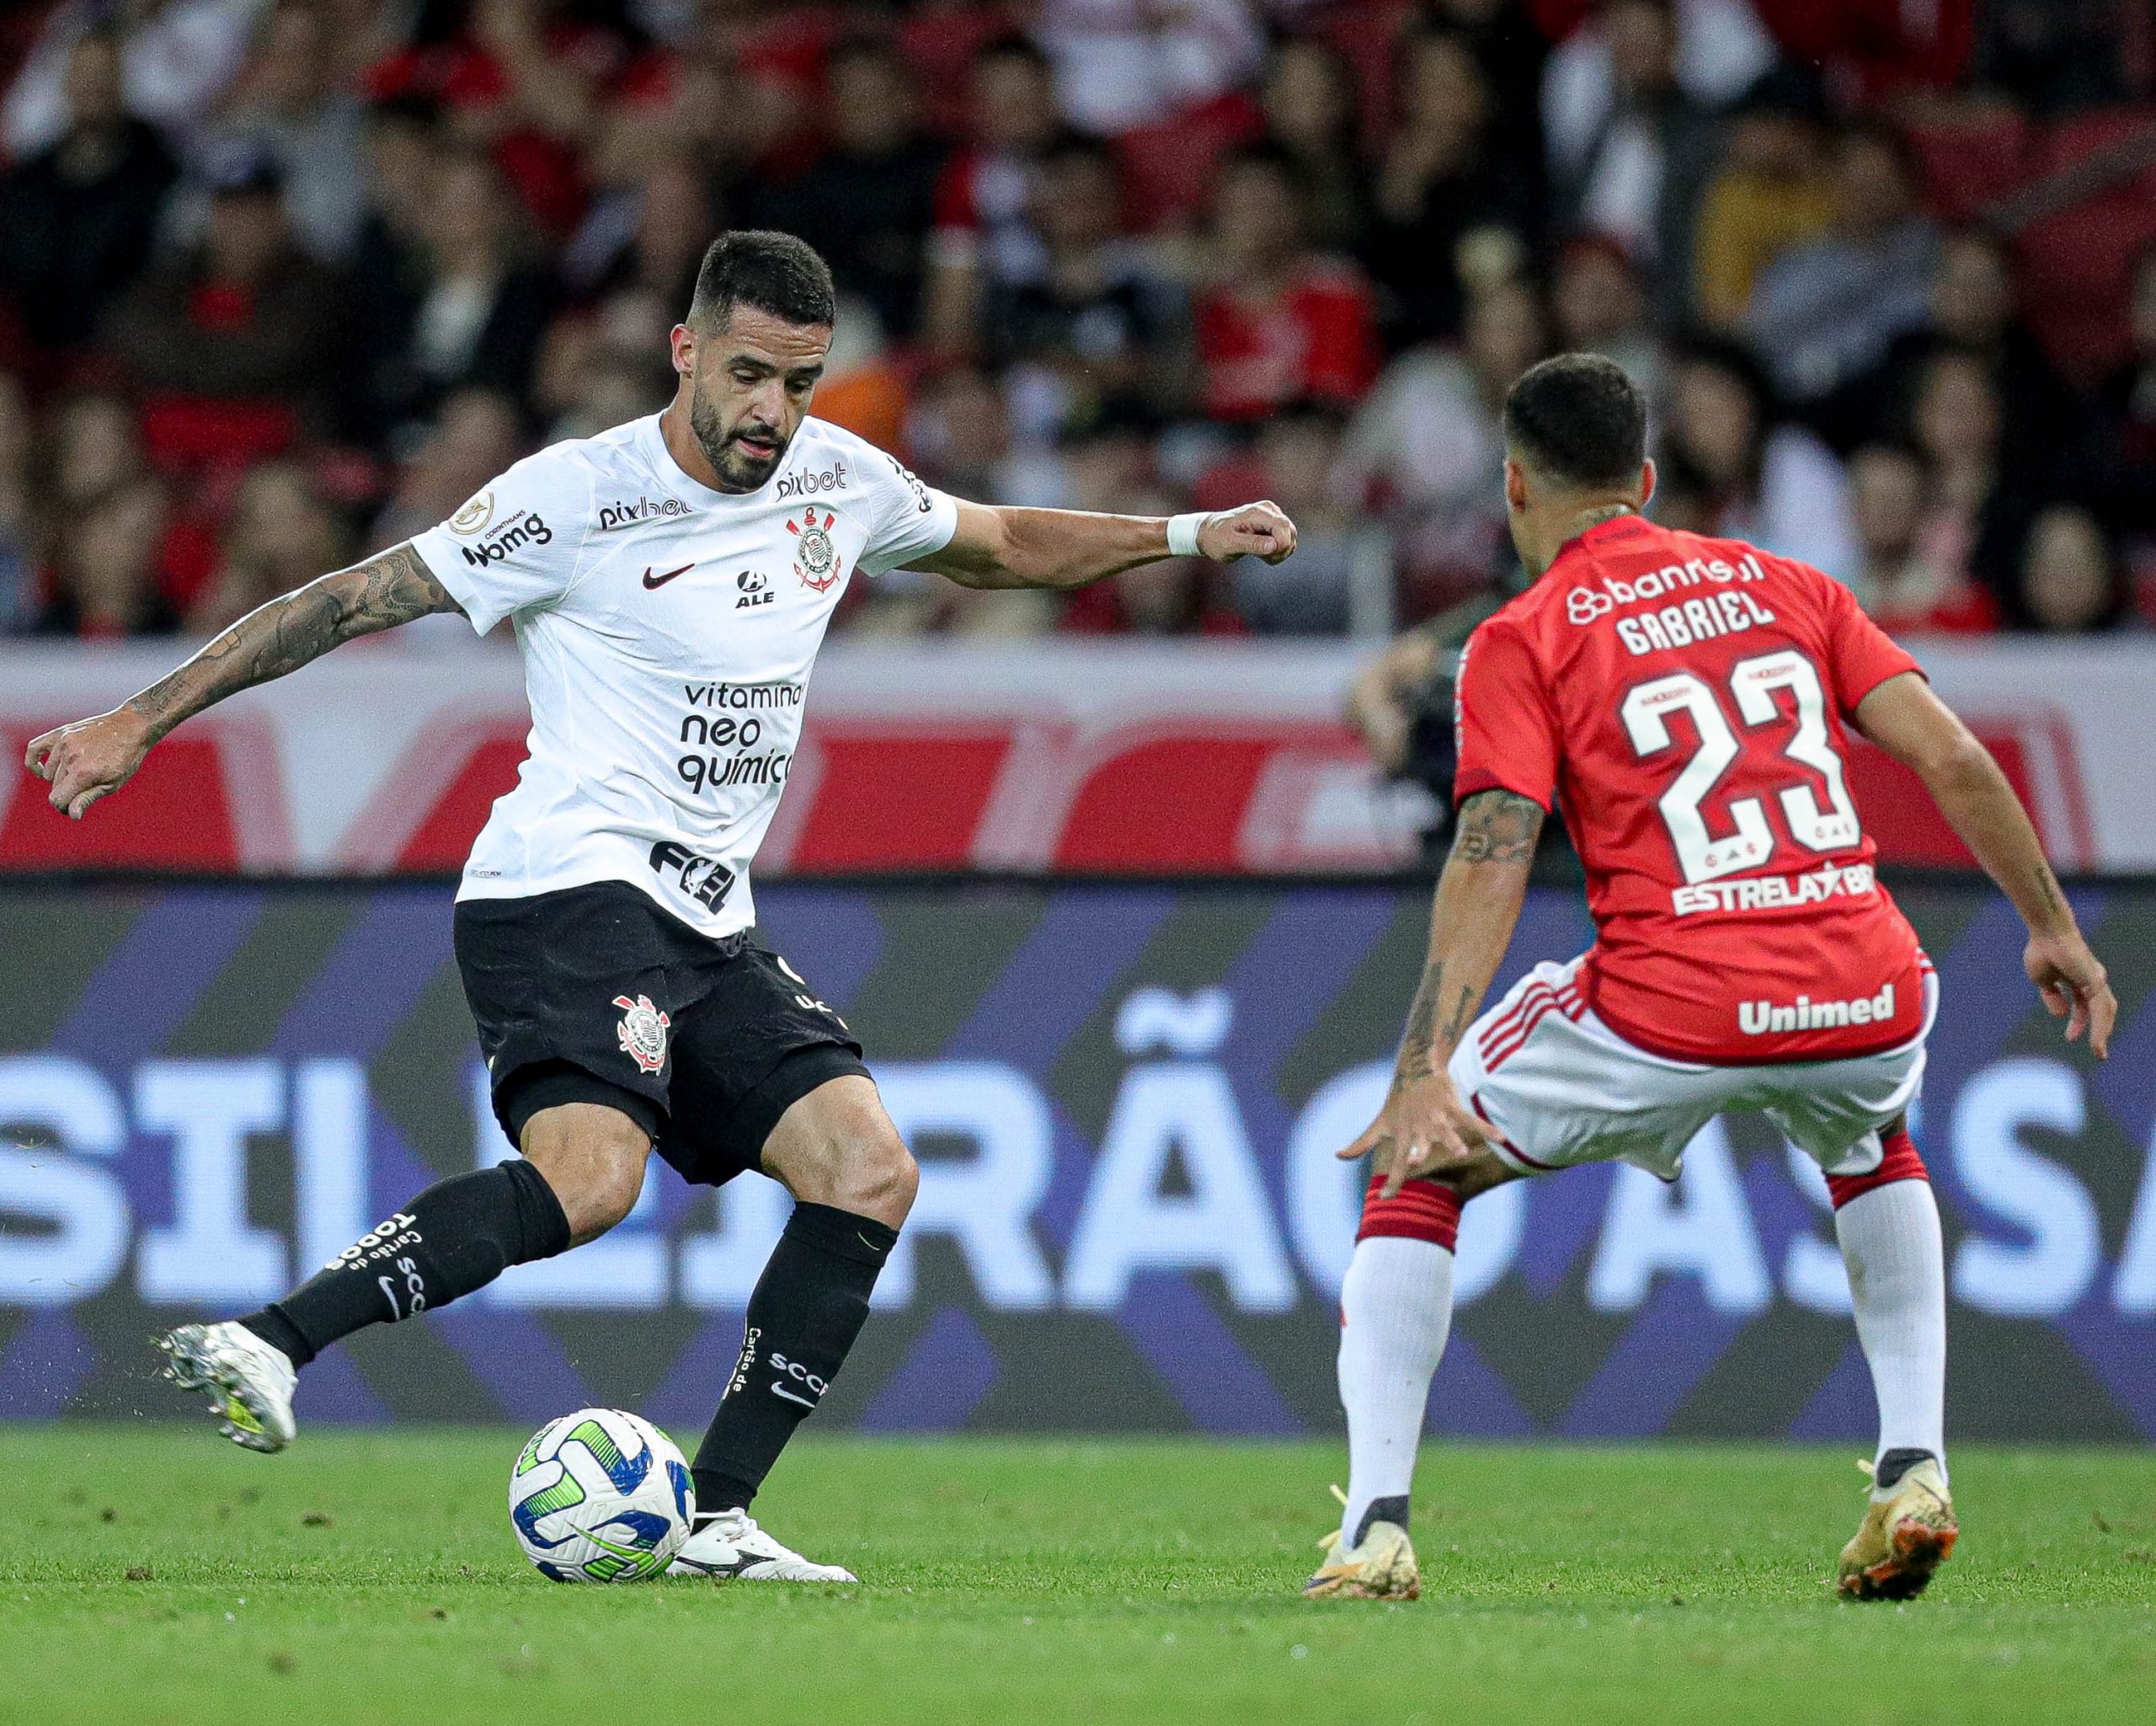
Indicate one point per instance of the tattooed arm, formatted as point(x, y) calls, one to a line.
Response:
point(94, 757)
point(1424, 1127)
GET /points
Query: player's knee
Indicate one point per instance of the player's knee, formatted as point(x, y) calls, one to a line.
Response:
point(879, 1178)
point(610, 1194)
point(594, 1159)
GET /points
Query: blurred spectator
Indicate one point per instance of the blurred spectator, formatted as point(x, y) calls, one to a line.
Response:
point(867, 204)
point(1599, 306)
point(961, 437)
point(98, 462)
point(246, 316)
point(1826, 311)
point(281, 536)
point(1898, 580)
point(635, 260)
point(2118, 445)
point(2052, 55)
point(1126, 63)
point(1970, 309)
point(173, 58)
point(467, 305)
point(1098, 320)
point(1772, 189)
point(2071, 583)
point(1308, 95)
point(79, 215)
point(290, 103)
point(1440, 180)
point(1958, 418)
point(528, 79)
point(476, 434)
point(109, 528)
point(982, 234)
point(1512, 54)
point(1636, 146)
point(1425, 449)
point(18, 593)
point(1276, 322)
point(1763, 479)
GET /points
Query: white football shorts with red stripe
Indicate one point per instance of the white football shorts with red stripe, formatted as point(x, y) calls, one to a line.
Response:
point(1564, 1088)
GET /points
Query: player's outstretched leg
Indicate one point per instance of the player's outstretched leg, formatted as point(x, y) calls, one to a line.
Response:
point(1396, 1311)
point(582, 1169)
point(1887, 1222)
point(853, 1182)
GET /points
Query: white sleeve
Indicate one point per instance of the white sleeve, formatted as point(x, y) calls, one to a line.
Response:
point(516, 546)
point(913, 521)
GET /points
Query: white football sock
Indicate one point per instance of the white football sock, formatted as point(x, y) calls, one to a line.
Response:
point(1396, 1310)
point(1898, 1280)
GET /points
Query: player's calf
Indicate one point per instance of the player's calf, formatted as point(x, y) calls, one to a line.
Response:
point(584, 1169)
point(853, 1180)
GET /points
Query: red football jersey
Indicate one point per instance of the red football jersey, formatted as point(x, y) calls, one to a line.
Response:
point(1682, 700)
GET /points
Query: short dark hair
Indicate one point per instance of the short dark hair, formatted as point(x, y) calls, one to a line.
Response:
point(772, 272)
point(1578, 419)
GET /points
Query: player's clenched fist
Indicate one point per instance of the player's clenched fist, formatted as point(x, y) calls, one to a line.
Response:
point(1255, 530)
point(89, 759)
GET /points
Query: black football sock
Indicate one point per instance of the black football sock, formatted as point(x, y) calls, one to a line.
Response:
point(807, 1308)
point(457, 1235)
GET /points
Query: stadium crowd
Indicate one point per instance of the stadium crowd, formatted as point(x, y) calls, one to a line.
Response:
point(282, 282)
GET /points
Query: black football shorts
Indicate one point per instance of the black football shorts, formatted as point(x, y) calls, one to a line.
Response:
point(594, 994)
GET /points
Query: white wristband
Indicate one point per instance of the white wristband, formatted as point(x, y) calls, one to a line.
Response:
point(1182, 533)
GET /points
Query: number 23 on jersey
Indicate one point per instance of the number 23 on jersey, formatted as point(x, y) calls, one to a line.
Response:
point(1753, 688)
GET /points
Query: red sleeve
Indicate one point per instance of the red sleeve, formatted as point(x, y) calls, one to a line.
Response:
point(1860, 655)
point(1508, 736)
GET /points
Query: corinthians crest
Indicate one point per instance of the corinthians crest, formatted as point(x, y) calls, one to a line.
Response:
point(643, 1030)
point(816, 553)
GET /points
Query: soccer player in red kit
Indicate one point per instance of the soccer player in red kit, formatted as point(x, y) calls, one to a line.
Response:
point(1685, 702)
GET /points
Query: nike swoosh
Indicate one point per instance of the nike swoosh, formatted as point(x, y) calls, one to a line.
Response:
point(652, 580)
point(791, 1397)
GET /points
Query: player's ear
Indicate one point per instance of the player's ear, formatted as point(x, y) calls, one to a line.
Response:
point(1515, 486)
point(684, 344)
point(1647, 477)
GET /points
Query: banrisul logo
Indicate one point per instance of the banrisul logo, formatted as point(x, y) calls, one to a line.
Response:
point(520, 530)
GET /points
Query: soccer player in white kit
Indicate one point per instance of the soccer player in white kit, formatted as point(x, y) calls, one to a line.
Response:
point(670, 582)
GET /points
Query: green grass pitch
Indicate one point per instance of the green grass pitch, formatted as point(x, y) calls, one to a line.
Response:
point(156, 1573)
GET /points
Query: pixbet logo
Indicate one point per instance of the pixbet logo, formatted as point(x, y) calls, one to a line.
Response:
point(804, 485)
point(755, 589)
point(623, 513)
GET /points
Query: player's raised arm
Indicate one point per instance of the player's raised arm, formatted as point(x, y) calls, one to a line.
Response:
point(94, 757)
point(1424, 1125)
point(998, 546)
point(1919, 730)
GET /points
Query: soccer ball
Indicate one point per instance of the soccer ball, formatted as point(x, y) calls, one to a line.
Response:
point(600, 1496)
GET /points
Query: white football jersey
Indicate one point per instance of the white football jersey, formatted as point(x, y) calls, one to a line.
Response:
point(668, 632)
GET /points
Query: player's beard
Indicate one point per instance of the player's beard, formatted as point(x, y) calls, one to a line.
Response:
point(737, 469)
